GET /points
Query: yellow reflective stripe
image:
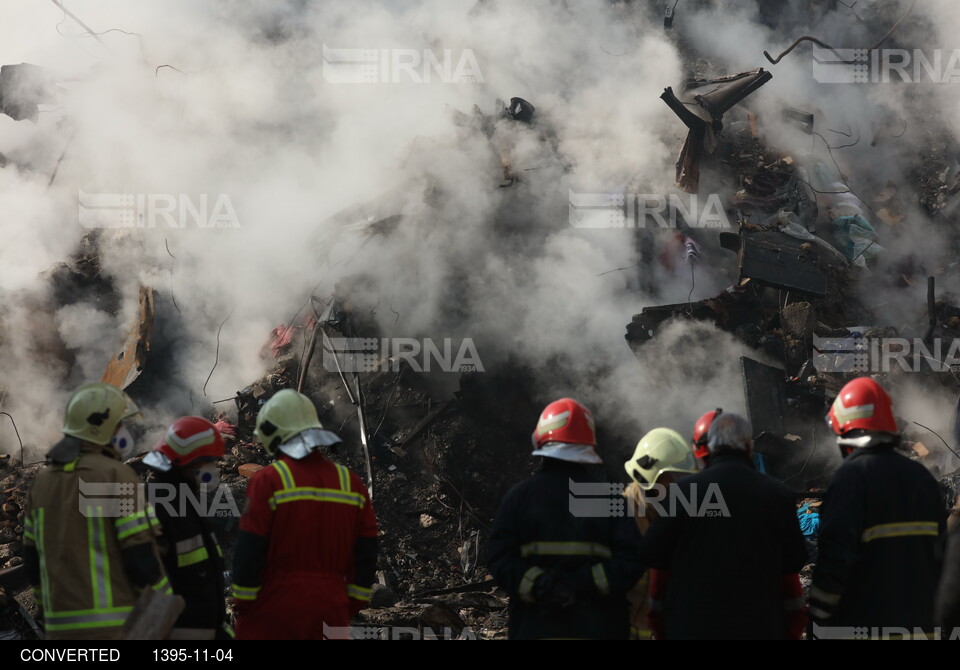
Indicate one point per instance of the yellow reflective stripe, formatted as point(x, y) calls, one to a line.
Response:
point(142, 514)
point(192, 557)
point(344, 477)
point(600, 579)
point(565, 549)
point(642, 634)
point(827, 598)
point(163, 586)
point(44, 576)
point(94, 618)
point(888, 530)
point(244, 592)
point(99, 562)
point(314, 494)
point(188, 545)
point(228, 630)
point(285, 475)
point(526, 584)
point(133, 524)
point(357, 592)
point(219, 551)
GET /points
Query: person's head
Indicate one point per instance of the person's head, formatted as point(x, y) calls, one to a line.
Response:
point(862, 416)
point(699, 439)
point(192, 446)
point(288, 423)
point(95, 414)
point(730, 433)
point(660, 455)
point(566, 432)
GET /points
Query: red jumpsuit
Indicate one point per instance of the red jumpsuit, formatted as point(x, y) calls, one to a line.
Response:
point(313, 517)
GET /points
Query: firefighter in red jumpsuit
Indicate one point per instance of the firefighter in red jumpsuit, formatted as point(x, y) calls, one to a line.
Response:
point(306, 553)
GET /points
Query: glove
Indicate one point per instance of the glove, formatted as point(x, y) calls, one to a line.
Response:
point(554, 593)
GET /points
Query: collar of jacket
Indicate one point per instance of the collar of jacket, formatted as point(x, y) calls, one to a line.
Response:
point(735, 456)
point(875, 449)
point(556, 465)
point(70, 448)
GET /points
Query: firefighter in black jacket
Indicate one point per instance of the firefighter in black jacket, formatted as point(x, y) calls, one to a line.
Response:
point(567, 570)
point(878, 565)
point(725, 556)
point(184, 463)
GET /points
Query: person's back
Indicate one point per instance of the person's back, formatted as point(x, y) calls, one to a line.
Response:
point(185, 466)
point(879, 545)
point(567, 571)
point(879, 549)
point(727, 567)
point(193, 561)
point(535, 516)
point(306, 553)
point(88, 539)
point(72, 530)
point(728, 548)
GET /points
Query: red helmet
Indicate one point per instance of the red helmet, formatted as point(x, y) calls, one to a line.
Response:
point(567, 421)
point(189, 439)
point(862, 404)
point(700, 430)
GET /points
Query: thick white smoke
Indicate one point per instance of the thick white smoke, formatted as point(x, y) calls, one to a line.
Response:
point(244, 110)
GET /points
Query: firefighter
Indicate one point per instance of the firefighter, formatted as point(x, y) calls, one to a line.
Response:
point(660, 456)
point(88, 538)
point(726, 557)
point(567, 570)
point(306, 553)
point(185, 467)
point(880, 527)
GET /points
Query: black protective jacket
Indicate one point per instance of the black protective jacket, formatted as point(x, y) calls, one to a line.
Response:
point(191, 554)
point(879, 549)
point(727, 539)
point(542, 538)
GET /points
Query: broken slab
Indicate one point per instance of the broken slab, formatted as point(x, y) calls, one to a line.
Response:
point(127, 365)
point(778, 260)
point(701, 106)
point(732, 308)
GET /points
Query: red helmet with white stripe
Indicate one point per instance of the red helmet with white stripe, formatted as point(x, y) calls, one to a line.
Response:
point(700, 430)
point(565, 421)
point(862, 405)
point(189, 439)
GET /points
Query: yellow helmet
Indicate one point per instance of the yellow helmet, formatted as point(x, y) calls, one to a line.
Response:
point(661, 450)
point(94, 411)
point(285, 416)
